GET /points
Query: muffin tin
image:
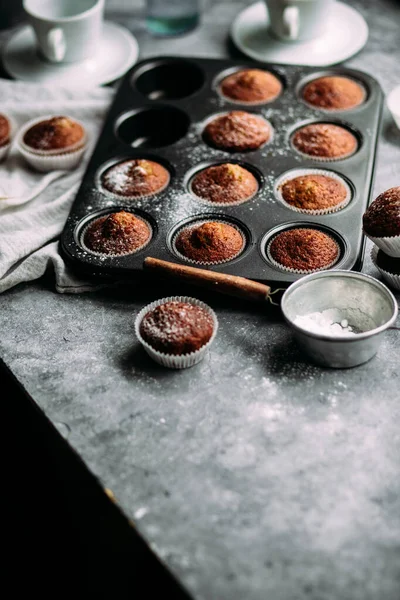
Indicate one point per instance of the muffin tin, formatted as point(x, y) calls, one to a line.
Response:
point(159, 113)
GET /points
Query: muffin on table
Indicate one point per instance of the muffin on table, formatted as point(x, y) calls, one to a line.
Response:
point(5, 135)
point(314, 192)
point(135, 178)
point(251, 86)
point(176, 332)
point(303, 250)
point(209, 242)
point(381, 222)
point(334, 92)
point(325, 141)
point(237, 131)
point(57, 142)
point(116, 234)
point(224, 184)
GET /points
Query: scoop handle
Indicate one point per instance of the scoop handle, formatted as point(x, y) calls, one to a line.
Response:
point(232, 285)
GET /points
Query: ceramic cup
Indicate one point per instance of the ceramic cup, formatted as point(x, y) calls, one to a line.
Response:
point(298, 20)
point(67, 31)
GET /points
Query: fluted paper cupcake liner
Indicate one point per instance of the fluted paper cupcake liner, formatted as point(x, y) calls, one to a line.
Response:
point(391, 278)
point(114, 255)
point(288, 176)
point(390, 245)
point(278, 265)
point(51, 160)
point(201, 222)
point(174, 361)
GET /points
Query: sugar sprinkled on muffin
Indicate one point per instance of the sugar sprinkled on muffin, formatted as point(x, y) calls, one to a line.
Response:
point(237, 131)
point(117, 233)
point(334, 92)
point(135, 178)
point(224, 184)
point(209, 242)
point(325, 141)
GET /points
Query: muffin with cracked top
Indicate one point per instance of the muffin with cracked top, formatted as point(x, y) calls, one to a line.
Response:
point(135, 178)
point(224, 184)
point(237, 131)
point(251, 86)
point(116, 234)
point(209, 242)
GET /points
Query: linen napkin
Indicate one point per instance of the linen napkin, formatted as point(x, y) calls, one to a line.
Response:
point(34, 206)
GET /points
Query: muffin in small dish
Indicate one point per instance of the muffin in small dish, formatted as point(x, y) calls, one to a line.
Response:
point(209, 242)
point(251, 86)
point(381, 222)
point(224, 184)
point(116, 234)
point(324, 141)
point(313, 191)
point(6, 129)
point(237, 131)
point(177, 331)
point(136, 178)
point(334, 93)
point(388, 266)
point(53, 142)
point(303, 250)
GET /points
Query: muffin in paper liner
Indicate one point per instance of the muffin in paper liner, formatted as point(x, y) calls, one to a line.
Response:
point(176, 361)
point(248, 102)
point(391, 278)
point(5, 148)
point(335, 110)
point(220, 204)
point(215, 116)
point(281, 267)
point(201, 222)
point(122, 197)
point(289, 175)
point(115, 255)
point(324, 159)
point(51, 160)
point(389, 245)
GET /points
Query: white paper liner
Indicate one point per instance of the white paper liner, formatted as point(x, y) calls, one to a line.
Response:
point(104, 254)
point(324, 159)
point(229, 150)
point(220, 204)
point(389, 245)
point(174, 361)
point(391, 278)
point(289, 175)
point(201, 222)
point(116, 196)
point(334, 110)
point(51, 160)
point(281, 267)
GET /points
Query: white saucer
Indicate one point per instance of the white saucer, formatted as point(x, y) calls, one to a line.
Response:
point(118, 50)
point(346, 34)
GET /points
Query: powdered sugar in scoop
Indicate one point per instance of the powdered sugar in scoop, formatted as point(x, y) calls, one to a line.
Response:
point(328, 322)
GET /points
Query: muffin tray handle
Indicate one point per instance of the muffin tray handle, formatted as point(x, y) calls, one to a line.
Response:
point(232, 285)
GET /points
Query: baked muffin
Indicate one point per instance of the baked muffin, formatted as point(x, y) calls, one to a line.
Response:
point(209, 242)
point(135, 178)
point(177, 327)
point(5, 130)
point(313, 192)
point(304, 250)
point(237, 131)
point(325, 141)
point(382, 218)
point(252, 86)
point(54, 134)
point(117, 233)
point(225, 184)
point(334, 92)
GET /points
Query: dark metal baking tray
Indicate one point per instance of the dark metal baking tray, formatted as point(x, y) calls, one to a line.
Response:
point(159, 113)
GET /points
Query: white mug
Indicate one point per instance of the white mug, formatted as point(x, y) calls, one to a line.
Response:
point(298, 20)
point(66, 30)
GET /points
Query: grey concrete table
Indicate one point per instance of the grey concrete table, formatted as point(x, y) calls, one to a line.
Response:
point(253, 475)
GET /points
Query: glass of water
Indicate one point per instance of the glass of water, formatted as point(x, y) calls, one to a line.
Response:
point(172, 17)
